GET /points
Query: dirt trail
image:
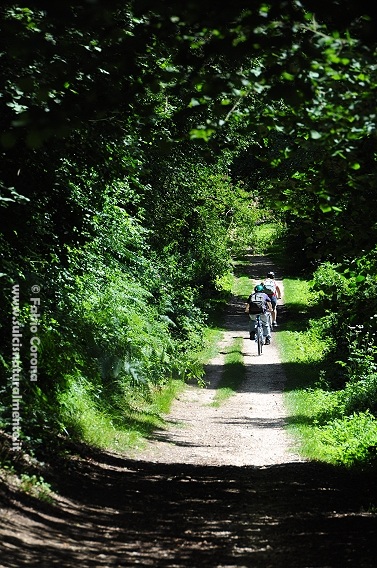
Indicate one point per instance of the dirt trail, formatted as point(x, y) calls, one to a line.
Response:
point(219, 488)
point(249, 429)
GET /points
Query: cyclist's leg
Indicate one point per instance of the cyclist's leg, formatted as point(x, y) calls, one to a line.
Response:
point(265, 319)
point(270, 320)
point(259, 336)
point(274, 301)
point(252, 324)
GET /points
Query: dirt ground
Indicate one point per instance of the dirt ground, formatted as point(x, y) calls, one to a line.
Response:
point(219, 487)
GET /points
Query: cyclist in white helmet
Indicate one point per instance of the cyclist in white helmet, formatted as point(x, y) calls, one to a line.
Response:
point(272, 290)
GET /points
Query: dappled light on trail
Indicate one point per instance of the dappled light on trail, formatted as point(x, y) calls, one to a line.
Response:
point(120, 512)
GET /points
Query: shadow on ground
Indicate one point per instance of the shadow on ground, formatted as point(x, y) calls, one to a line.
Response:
point(120, 512)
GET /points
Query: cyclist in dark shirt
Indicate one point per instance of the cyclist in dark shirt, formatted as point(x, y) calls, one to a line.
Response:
point(259, 296)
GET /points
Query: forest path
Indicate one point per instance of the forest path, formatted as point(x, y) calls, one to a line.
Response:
point(218, 488)
point(247, 429)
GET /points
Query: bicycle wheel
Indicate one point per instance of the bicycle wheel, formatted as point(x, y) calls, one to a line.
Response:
point(260, 339)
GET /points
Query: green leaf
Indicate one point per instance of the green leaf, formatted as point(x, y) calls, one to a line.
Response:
point(204, 134)
point(325, 208)
point(315, 134)
point(194, 102)
point(287, 76)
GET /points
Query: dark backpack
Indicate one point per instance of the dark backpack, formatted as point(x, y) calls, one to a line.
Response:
point(257, 304)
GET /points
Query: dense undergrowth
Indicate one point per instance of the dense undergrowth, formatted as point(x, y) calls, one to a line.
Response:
point(123, 324)
point(331, 392)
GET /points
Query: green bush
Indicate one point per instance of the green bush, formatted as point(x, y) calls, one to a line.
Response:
point(349, 440)
point(360, 395)
point(329, 286)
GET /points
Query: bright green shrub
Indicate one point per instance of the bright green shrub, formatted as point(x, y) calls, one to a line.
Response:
point(348, 440)
point(360, 395)
point(329, 286)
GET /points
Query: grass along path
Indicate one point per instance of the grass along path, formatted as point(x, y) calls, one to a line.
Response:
point(323, 419)
point(234, 372)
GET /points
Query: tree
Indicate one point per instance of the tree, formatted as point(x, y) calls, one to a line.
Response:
point(120, 124)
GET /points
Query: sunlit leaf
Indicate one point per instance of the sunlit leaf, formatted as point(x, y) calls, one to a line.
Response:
point(315, 134)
